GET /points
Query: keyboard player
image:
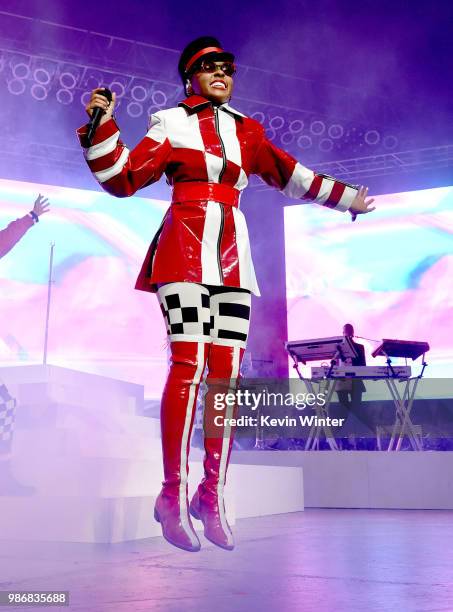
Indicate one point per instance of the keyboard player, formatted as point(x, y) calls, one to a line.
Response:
point(350, 390)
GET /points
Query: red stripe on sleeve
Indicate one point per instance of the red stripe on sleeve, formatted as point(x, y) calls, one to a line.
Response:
point(335, 195)
point(144, 166)
point(314, 188)
point(106, 161)
point(103, 132)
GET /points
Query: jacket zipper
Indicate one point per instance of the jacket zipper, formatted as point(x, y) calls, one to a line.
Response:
point(222, 212)
point(217, 127)
point(219, 241)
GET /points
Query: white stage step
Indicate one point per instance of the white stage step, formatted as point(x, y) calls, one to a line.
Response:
point(53, 390)
point(94, 516)
point(84, 518)
point(78, 440)
point(96, 465)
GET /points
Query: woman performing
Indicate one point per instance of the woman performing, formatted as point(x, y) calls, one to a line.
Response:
point(199, 262)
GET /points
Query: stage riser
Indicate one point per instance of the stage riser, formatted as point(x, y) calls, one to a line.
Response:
point(368, 479)
point(91, 516)
point(57, 375)
point(116, 439)
point(403, 480)
point(96, 467)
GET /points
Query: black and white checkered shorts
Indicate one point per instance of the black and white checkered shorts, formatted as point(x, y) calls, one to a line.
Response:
point(7, 418)
point(205, 313)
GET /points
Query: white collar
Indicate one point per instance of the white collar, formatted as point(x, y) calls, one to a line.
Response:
point(226, 107)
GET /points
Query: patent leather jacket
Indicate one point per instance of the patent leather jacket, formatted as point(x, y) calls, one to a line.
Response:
point(207, 154)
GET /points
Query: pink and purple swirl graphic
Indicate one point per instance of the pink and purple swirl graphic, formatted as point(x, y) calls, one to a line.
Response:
point(389, 273)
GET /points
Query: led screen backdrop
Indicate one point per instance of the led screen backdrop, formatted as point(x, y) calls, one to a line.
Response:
point(389, 273)
point(98, 322)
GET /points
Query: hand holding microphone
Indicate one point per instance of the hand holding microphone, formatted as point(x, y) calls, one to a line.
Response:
point(100, 109)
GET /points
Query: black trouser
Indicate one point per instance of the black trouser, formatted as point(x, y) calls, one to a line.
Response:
point(350, 401)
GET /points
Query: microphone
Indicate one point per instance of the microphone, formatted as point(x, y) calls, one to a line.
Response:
point(96, 116)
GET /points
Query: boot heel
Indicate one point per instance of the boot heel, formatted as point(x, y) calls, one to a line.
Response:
point(156, 516)
point(194, 513)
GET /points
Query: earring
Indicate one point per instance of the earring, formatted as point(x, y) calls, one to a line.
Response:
point(188, 87)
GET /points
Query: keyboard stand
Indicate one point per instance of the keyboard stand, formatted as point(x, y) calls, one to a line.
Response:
point(322, 412)
point(403, 404)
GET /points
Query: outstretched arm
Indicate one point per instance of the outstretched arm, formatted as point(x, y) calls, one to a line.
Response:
point(119, 171)
point(13, 232)
point(279, 169)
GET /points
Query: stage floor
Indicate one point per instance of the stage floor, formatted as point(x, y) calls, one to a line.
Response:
point(322, 560)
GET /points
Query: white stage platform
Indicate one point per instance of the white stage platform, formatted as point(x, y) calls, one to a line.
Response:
point(367, 479)
point(96, 465)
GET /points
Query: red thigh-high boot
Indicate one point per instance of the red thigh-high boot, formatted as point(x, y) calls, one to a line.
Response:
point(188, 360)
point(208, 504)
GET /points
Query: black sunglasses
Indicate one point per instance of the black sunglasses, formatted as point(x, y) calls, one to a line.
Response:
point(210, 66)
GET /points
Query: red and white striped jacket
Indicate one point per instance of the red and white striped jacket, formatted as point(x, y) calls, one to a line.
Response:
point(207, 154)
